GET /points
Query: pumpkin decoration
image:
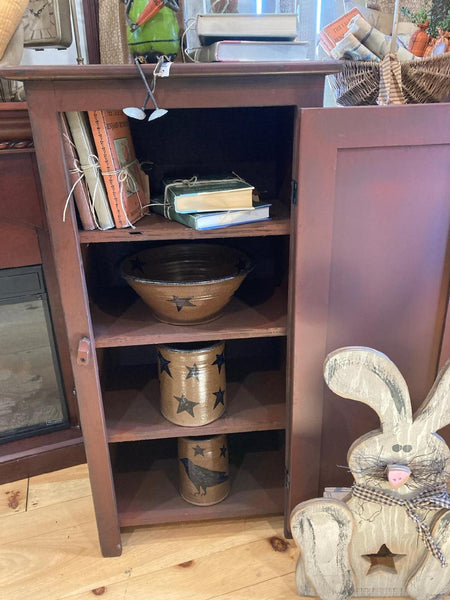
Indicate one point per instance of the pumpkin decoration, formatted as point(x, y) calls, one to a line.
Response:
point(419, 39)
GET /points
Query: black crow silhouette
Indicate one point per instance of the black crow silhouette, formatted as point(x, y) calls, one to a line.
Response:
point(202, 478)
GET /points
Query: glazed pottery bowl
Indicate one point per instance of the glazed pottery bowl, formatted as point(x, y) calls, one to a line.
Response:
point(186, 284)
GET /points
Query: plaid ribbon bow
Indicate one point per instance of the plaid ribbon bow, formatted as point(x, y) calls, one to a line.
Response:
point(433, 498)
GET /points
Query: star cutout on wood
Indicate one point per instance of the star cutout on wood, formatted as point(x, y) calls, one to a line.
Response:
point(198, 450)
point(220, 360)
point(181, 302)
point(194, 371)
point(185, 405)
point(164, 364)
point(137, 265)
point(219, 398)
point(223, 451)
point(383, 560)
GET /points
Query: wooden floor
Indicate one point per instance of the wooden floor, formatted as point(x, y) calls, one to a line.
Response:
point(49, 551)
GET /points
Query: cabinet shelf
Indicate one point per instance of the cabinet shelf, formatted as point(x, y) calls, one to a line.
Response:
point(135, 325)
point(151, 496)
point(256, 403)
point(154, 227)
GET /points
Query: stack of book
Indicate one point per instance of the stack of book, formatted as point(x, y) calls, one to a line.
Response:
point(247, 37)
point(108, 186)
point(211, 203)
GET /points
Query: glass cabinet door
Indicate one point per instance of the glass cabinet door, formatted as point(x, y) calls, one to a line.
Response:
point(31, 394)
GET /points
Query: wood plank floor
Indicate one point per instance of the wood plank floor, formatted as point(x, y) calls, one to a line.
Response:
point(50, 551)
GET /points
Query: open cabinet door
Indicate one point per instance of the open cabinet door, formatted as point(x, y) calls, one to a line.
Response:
point(370, 269)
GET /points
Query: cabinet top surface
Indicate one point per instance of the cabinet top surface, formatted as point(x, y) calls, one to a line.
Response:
point(55, 73)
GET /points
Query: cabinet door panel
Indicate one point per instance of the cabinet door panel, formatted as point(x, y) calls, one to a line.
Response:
point(371, 267)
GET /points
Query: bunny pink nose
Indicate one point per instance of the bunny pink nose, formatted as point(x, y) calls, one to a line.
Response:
point(398, 475)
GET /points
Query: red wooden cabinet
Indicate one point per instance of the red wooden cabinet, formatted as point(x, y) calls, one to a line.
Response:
point(356, 254)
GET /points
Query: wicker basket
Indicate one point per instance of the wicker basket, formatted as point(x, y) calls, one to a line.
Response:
point(426, 80)
point(391, 81)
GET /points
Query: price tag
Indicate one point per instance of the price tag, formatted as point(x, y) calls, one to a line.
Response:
point(164, 69)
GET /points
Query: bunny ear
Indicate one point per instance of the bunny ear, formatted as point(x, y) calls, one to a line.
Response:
point(368, 376)
point(434, 413)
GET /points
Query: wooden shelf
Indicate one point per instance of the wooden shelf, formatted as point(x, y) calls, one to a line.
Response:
point(135, 325)
point(151, 496)
point(257, 403)
point(154, 227)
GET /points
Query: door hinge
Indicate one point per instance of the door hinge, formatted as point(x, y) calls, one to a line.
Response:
point(293, 192)
point(287, 480)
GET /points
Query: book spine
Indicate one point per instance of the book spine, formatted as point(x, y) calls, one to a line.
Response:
point(108, 166)
point(81, 135)
point(108, 129)
point(76, 180)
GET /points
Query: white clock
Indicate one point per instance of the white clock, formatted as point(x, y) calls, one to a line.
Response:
point(47, 24)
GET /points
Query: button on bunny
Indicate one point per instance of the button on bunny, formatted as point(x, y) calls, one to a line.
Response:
point(392, 537)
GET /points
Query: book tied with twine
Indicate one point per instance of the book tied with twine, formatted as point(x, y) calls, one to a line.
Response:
point(82, 138)
point(202, 195)
point(119, 166)
point(202, 221)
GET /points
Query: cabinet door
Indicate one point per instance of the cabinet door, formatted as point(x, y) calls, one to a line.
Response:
point(370, 268)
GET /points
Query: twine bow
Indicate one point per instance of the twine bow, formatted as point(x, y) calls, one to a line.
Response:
point(127, 181)
point(434, 498)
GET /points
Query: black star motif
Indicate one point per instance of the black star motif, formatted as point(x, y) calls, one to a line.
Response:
point(164, 364)
point(137, 265)
point(193, 372)
point(198, 450)
point(220, 360)
point(223, 451)
point(181, 302)
point(383, 560)
point(219, 397)
point(185, 405)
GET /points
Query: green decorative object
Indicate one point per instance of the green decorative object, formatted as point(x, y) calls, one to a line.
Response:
point(157, 36)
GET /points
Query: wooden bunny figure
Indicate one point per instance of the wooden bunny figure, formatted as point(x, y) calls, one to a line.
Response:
point(392, 537)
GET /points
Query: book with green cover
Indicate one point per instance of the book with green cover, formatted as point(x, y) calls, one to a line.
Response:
point(214, 220)
point(206, 195)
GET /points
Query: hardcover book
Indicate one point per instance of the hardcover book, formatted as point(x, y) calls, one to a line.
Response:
point(214, 220)
point(77, 181)
point(82, 138)
point(119, 166)
point(335, 31)
point(205, 195)
point(246, 50)
point(214, 27)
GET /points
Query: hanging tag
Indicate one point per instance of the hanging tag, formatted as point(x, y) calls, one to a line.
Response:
point(164, 69)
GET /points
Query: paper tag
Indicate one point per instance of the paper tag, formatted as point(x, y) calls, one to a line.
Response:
point(164, 70)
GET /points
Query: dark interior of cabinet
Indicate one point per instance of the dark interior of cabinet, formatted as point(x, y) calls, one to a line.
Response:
point(257, 145)
point(108, 289)
point(147, 480)
point(254, 143)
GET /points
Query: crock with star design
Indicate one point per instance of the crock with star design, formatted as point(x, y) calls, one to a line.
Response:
point(192, 382)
